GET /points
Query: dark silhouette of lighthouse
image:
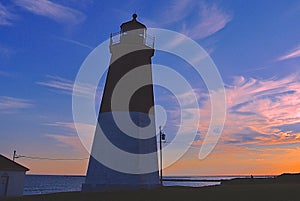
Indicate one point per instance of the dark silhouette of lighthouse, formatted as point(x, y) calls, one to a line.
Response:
point(131, 51)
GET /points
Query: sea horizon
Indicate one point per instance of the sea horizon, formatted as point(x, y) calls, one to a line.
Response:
point(45, 184)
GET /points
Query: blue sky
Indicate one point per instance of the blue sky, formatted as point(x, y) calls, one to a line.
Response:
point(255, 45)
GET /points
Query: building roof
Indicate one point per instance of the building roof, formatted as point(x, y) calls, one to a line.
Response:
point(9, 165)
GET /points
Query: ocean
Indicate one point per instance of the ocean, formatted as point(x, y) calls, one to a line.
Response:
point(43, 184)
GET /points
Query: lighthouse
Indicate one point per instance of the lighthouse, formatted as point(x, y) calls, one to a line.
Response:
point(124, 150)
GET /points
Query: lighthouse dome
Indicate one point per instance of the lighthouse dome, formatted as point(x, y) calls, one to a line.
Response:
point(132, 24)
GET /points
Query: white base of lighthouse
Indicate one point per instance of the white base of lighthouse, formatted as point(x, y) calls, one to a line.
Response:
point(120, 160)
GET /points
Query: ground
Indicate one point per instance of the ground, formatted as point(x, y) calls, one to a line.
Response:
point(246, 192)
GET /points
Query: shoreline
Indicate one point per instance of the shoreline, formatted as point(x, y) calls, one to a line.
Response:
point(284, 187)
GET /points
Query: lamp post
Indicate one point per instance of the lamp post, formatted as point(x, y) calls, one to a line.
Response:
point(162, 137)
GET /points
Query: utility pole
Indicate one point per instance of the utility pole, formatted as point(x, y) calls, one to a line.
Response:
point(162, 137)
point(15, 155)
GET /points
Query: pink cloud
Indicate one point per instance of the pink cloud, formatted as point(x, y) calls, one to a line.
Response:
point(261, 106)
point(84, 140)
point(64, 140)
point(257, 111)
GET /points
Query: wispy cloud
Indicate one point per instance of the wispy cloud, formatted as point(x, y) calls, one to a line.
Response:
point(5, 52)
point(62, 84)
point(66, 86)
point(292, 54)
point(177, 11)
point(72, 141)
point(75, 42)
point(54, 11)
point(69, 136)
point(6, 16)
point(211, 19)
point(11, 104)
point(196, 19)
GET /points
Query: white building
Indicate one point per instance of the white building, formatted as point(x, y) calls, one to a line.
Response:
point(12, 177)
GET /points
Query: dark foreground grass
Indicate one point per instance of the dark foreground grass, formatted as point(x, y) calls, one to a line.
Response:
point(248, 192)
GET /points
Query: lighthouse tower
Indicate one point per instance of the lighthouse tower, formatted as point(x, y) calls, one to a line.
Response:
point(126, 118)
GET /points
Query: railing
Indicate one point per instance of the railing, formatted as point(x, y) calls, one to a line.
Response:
point(146, 39)
point(115, 38)
point(149, 40)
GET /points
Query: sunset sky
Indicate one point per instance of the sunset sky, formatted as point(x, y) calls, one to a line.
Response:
point(254, 44)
